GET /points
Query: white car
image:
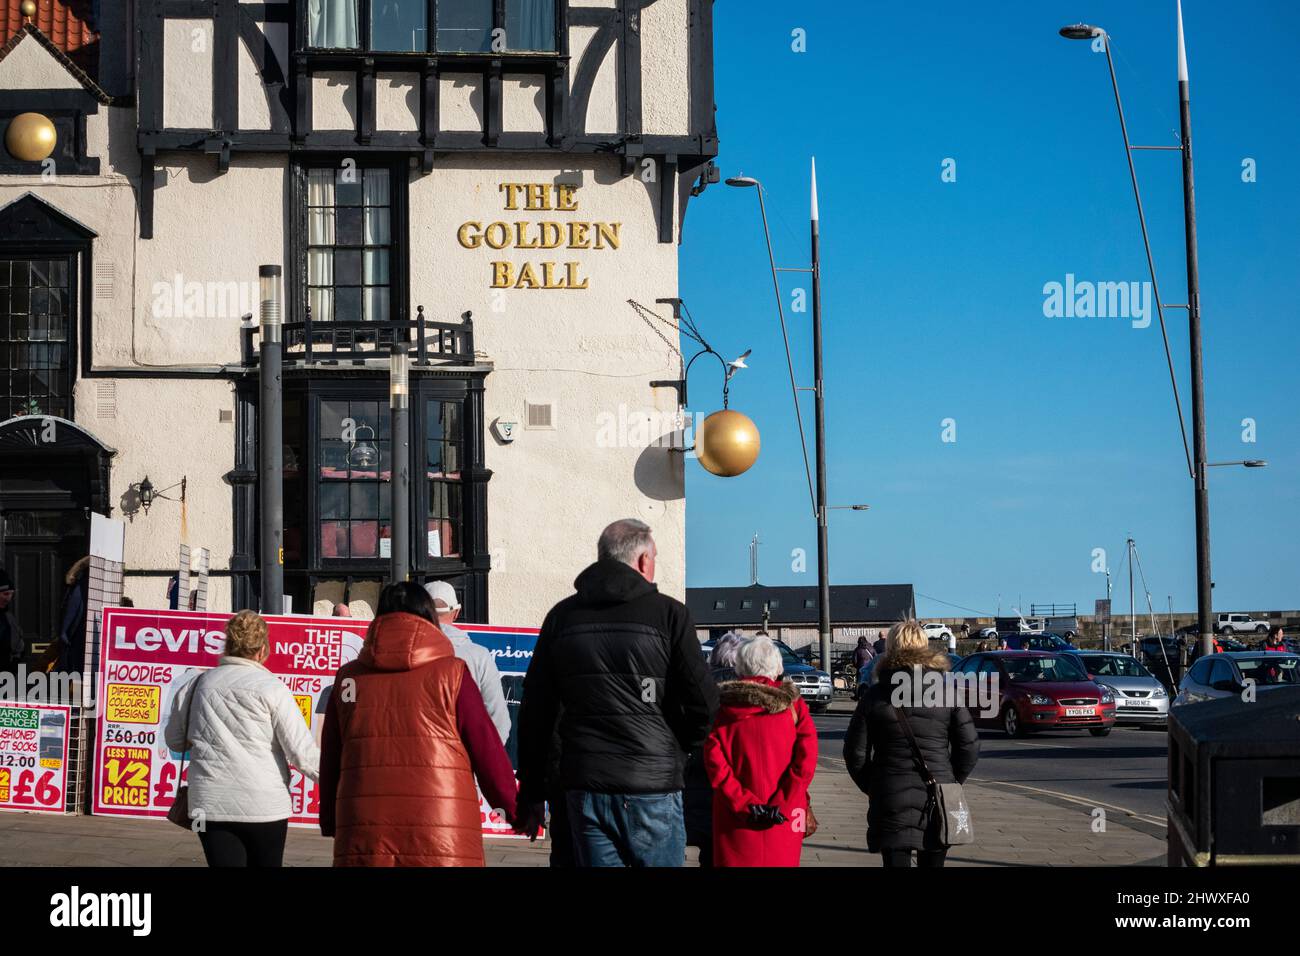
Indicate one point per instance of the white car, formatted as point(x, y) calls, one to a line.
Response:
point(937, 632)
point(1239, 624)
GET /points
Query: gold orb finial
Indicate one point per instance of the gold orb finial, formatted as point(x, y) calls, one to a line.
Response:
point(727, 444)
point(31, 137)
point(28, 8)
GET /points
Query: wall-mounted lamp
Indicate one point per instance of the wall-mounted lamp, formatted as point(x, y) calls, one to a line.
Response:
point(148, 494)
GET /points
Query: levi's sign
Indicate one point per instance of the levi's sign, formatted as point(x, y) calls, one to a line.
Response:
point(544, 234)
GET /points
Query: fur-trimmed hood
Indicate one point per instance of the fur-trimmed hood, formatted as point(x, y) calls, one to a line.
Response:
point(750, 698)
point(905, 658)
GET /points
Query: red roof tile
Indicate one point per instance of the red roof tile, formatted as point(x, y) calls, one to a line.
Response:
point(66, 23)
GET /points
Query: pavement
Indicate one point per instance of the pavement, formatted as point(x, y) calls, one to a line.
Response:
point(1015, 825)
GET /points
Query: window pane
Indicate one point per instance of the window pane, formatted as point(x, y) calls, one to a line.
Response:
point(331, 419)
point(347, 187)
point(376, 187)
point(347, 267)
point(322, 305)
point(320, 226)
point(365, 499)
point(398, 25)
point(530, 25)
point(334, 539)
point(348, 226)
point(332, 23)
point(376, 267)
point(376, 226)
point(334, 499)
point(320, 267)
point(377, 303)
point(365, 539)
point(464, 26)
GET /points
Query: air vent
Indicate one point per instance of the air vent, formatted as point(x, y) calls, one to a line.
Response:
point(106, 399)
point(538, 416)
point(105, 276)
point(225, 416)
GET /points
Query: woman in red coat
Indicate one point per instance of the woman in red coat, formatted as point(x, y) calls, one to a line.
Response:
point(760, 758)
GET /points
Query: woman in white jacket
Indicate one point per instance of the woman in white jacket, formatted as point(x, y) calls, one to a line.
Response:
point(244, 732)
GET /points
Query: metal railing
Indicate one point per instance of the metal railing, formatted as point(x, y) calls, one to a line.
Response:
point(430, 341)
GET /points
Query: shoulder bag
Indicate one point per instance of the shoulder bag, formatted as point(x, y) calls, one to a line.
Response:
point(946, 813)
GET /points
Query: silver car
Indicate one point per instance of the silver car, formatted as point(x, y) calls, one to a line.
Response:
point(1139, 697)
point(1227, 674)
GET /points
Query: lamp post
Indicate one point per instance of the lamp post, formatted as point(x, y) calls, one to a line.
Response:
point(270, 443)
point(1196, 458)
point(819, 400)
point(399, 403)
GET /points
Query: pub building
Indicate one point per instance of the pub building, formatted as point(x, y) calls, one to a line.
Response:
point(501, 184)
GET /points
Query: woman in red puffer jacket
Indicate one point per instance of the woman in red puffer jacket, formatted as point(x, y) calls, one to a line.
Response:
point(760, 758)
point(406, 734)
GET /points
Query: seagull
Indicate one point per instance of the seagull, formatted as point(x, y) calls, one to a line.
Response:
point(740, 362)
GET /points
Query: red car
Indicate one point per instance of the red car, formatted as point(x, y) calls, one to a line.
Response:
point(1041, 690)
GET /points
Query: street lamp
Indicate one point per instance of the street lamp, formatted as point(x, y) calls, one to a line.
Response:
point(819, 396)
point(1196, 463)
point(270, 441)
point(1248, 463)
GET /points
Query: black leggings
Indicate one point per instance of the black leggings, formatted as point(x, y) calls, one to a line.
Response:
point(926, 858)
point(231, 843)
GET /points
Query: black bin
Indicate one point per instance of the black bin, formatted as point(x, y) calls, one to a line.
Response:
point(1234, 781)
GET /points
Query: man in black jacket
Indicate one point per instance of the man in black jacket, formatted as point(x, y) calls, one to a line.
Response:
point(619, 666)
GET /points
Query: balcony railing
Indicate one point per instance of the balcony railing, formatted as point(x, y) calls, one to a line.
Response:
point(429, 342)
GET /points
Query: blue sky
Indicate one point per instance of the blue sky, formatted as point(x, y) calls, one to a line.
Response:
point(1067, 438)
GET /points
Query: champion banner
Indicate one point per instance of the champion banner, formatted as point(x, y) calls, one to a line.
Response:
point(149, 655)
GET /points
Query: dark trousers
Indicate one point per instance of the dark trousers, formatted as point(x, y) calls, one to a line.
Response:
point(561, 834)
point(231, 843)
point(925, 858)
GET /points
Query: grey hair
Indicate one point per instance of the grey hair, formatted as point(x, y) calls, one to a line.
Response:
point(724, 651)
point(624, 540)
point(758, 657)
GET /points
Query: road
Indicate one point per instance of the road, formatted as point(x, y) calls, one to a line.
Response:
point(1123, 772)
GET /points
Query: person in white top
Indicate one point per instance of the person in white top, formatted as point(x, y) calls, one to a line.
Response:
point(482, 665)
point(243, 730)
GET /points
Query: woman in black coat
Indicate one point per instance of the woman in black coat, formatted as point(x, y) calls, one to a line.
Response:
point(881, 762)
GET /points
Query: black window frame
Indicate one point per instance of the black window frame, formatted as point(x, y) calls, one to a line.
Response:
point(72, 256)
point(316, 390)
point(399, 233)
point(365, 41)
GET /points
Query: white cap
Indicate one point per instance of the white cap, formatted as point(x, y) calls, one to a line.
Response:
point(443, 593)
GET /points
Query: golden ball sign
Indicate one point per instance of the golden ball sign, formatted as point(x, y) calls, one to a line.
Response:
point(28, 8)
point(30, 137)
point(727, 443)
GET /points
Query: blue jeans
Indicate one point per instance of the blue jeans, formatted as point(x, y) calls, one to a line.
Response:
point(627, 829)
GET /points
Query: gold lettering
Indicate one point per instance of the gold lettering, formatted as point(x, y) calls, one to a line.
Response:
point(469, 235)
point(498, 231)
point(548, 277)
point(607, 232)
point(521, 232)
point(512, 194)
point(571, 277)
point(527, 278)
point(552, 234)
point(578, 238)
point(565, 200)
point(538, 197)
point(502, 275)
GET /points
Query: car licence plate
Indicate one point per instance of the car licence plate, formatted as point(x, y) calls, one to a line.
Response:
point(1138, 703)
point(1079, 711)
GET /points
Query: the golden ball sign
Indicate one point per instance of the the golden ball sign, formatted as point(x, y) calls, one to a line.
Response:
point(727, 443)
point(30, 137)
point(28, 8)
point(546, 234)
